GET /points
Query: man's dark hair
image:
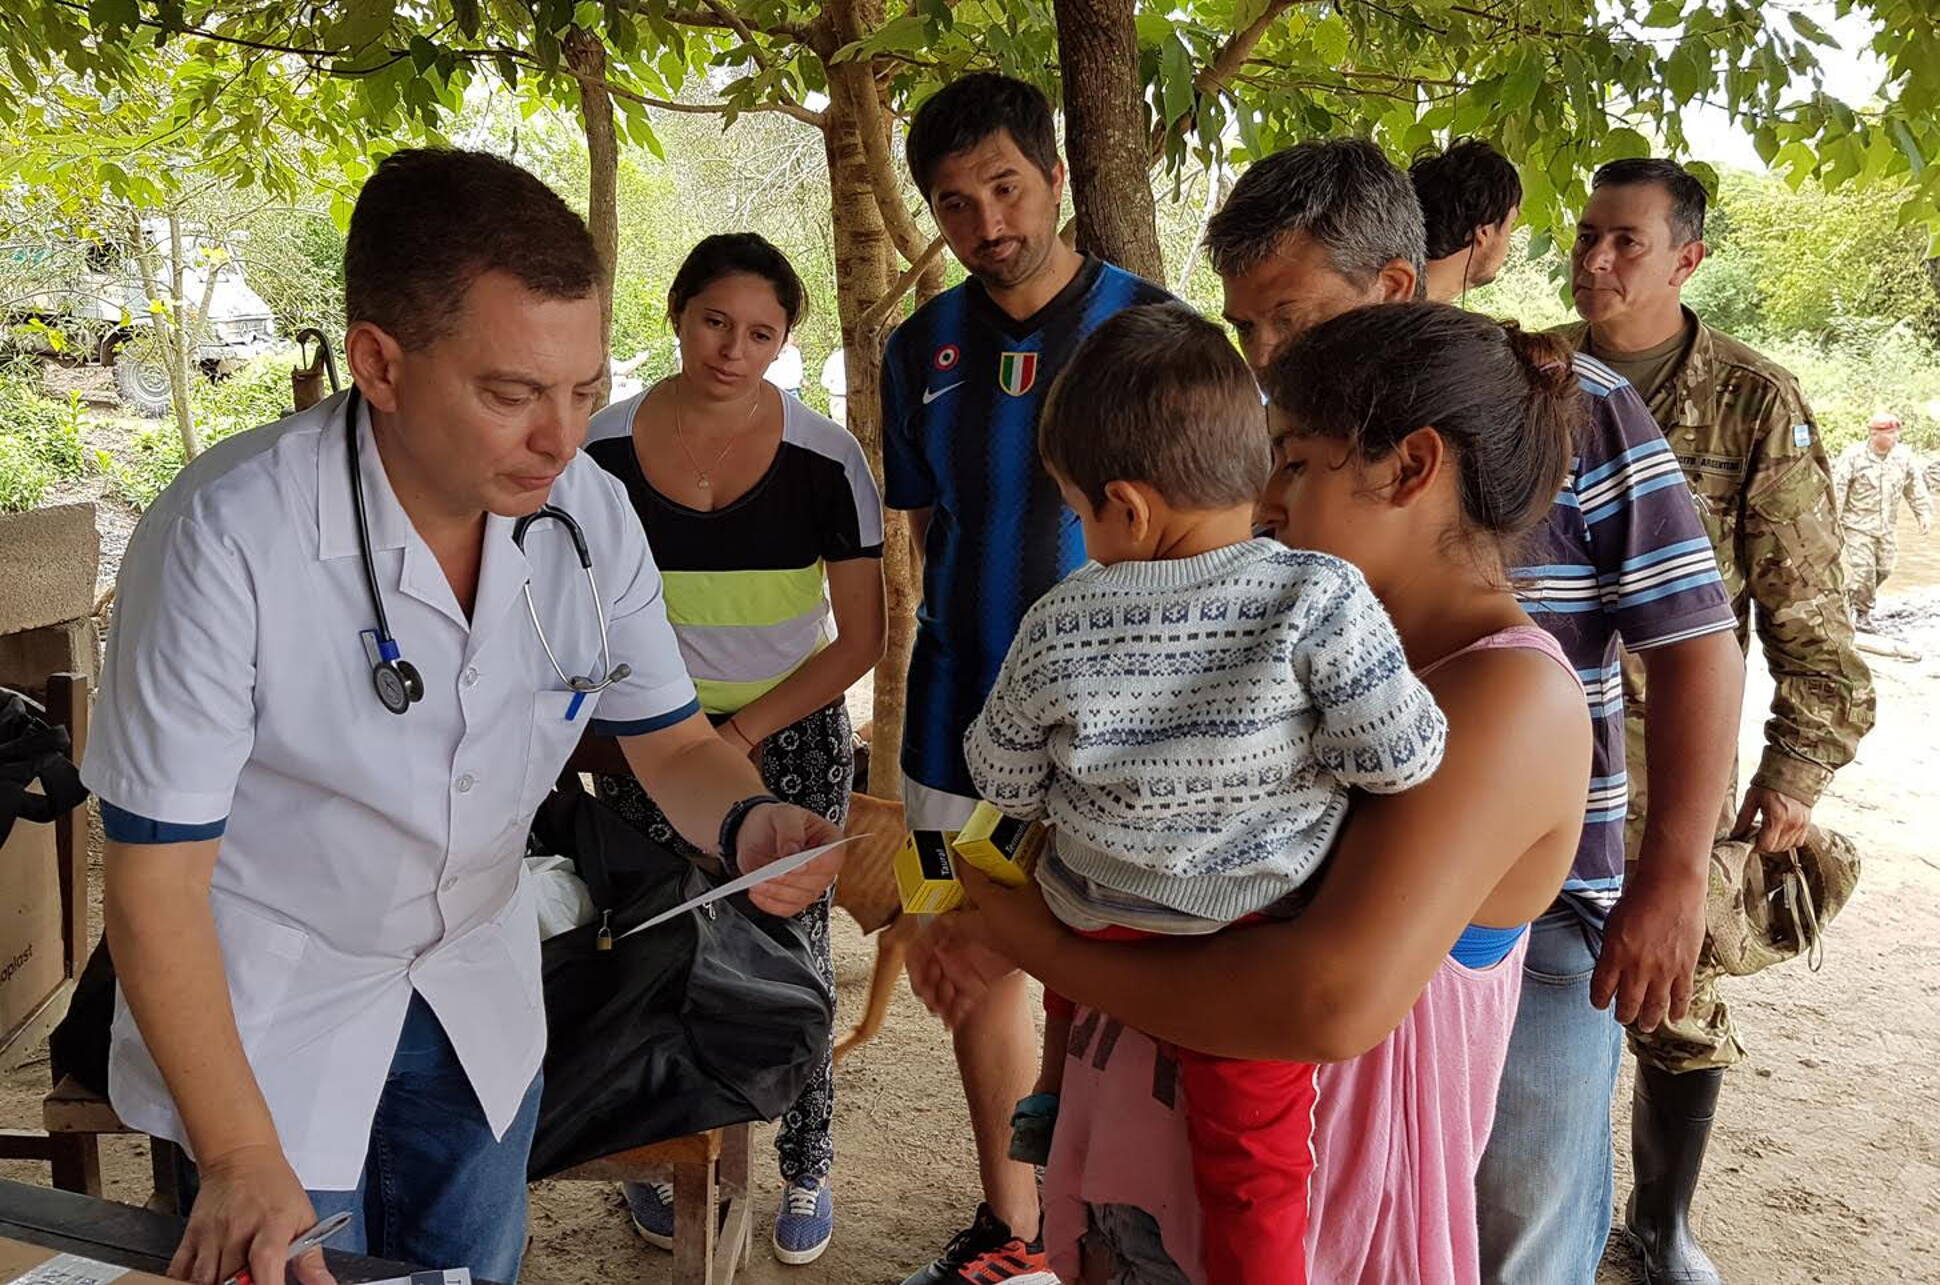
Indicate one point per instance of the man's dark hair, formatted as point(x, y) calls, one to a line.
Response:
point(967, 111)
point(1156, 394)
point(727, 253)
point(1686, 193)
point(1469, 186)
point(431, 221)
point(1342, 192)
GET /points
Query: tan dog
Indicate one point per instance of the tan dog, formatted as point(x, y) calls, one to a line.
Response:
point(867, 890)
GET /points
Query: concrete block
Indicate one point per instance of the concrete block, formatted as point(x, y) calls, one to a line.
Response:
point(28, 657)
point(48, 560)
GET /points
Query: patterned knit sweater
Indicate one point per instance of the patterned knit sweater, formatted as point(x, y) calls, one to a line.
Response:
point(1191, 728)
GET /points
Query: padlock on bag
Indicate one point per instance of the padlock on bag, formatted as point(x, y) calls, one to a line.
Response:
point(1763, 908)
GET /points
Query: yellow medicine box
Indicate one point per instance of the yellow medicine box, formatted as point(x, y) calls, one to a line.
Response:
point(1002, 847)
point(923, 875)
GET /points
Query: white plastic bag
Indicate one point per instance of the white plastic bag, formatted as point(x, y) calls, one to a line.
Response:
point(561, 898)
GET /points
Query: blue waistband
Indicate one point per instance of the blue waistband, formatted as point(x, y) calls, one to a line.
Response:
point(1480, 947)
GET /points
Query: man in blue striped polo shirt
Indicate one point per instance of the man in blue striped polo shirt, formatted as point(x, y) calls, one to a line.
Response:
point(1321, 228)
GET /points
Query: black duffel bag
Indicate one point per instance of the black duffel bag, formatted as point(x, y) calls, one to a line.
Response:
point(708, 1020)
point(714, 1018)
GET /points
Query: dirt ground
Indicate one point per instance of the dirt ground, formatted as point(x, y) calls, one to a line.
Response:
point(1825, 1168)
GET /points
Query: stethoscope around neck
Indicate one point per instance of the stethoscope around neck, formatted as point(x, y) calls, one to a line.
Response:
point(397, 681)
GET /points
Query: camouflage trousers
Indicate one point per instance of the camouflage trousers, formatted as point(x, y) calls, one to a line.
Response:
point(1705, 1037)
point(1869, 560)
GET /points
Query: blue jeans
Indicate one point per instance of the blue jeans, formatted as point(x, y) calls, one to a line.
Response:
point(1544, 1187)
point(437, 1189)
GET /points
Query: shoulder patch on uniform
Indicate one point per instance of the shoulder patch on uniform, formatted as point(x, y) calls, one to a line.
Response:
point(1801, 435)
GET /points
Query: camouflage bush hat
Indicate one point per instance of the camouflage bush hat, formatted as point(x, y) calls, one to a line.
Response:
point(1763, 908)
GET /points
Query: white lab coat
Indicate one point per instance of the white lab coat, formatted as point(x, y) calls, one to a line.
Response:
point(365, 854)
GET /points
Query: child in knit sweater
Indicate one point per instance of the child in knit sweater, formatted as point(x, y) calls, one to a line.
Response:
point(1188, 711)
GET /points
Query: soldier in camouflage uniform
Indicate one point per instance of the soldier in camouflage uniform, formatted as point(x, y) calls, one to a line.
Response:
point(1753, 458)
point(1868, 480)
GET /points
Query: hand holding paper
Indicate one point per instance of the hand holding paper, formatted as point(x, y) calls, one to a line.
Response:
point(783, 868)
point(774, 832)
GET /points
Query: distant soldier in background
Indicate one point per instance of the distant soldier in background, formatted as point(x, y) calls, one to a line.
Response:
point(1867, 484)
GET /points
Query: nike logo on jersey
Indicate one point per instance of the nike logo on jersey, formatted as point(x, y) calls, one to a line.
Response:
point(931, 394)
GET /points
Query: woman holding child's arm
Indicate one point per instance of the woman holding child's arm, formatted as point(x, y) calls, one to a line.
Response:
point(1420, 917)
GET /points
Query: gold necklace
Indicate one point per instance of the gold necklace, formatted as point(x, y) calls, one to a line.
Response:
point(701, 477)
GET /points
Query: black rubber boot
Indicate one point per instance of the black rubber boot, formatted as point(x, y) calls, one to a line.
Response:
point(1670, 1122)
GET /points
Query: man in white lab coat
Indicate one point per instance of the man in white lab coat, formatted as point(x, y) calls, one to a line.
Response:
point(341, 678)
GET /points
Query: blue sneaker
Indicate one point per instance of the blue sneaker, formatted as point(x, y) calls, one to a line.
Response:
point(805, 1223)
point(652, 1207)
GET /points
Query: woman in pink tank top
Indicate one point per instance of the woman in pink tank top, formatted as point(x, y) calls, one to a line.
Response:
point(1418, 442)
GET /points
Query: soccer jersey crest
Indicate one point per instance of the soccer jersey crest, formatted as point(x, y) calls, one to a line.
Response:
point(1017, 372)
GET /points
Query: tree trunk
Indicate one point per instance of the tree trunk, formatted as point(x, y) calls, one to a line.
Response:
point(1106, 135)
point(180, 341)
point(864, 272)
point(165, 320)
point(586, 55)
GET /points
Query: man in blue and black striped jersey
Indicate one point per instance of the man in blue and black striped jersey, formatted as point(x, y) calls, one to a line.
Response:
point(1321, 228)
point(962, 384)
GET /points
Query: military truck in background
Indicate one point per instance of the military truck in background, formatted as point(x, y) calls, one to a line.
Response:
point(84, 301)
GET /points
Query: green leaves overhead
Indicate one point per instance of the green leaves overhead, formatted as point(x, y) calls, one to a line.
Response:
point(283, 95)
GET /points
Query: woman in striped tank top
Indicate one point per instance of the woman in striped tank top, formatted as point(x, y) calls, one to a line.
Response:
point(762, 516)
point(1420, 443)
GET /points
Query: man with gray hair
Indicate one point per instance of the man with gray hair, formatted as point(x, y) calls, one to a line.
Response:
point(1325, 227)
point(1309, 233)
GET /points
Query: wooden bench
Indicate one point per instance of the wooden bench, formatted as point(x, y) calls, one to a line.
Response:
point(707, 1169)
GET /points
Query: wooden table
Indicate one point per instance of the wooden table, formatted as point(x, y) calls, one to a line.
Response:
point(128, 1236)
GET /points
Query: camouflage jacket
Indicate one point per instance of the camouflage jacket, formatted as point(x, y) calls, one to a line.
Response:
point(1867, 487)
point(1752, 455)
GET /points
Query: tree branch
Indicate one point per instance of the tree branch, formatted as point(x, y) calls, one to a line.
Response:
point(1425, 82)
point(1237, 49)
point(795, 31)
point(793, 109)
point(1215, 75)
point(879, 311)
point(740, 28)
point(1327, 86)
point(217, 36)
point(874, 127)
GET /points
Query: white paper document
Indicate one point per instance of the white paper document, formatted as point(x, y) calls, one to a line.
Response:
point(773, 870)
point(69, 1269)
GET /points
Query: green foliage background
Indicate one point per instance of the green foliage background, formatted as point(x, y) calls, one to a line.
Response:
point(1832, 285)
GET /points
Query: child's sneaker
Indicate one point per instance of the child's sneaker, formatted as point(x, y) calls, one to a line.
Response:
point(805, 1223)
point(652, 1206)
point(1030, 1129)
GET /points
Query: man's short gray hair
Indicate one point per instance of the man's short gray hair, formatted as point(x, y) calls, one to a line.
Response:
point(1342, 192)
